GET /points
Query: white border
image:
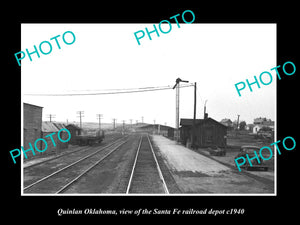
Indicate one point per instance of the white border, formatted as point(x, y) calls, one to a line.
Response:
point(187, 194)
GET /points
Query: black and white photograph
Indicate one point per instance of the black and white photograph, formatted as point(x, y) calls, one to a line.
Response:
point(162, 116)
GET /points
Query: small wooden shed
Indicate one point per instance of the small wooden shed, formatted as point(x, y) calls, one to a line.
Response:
point(208, 132)
point(49, 128)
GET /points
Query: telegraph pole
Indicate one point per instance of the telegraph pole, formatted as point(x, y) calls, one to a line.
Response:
point(114, 123)
point(194, 119)
point(130, 123)
point(195, 100)
point(99, 117)
point(51, 116)
point(177, 111)
point(80, 115)
point(123, 126)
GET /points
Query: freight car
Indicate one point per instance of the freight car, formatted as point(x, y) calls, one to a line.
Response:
point(90, 138)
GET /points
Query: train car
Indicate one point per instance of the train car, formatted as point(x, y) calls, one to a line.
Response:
point(90, 138)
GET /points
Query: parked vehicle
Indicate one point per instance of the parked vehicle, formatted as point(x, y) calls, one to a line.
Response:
point(267, 135)
point(215, 150)
point(256, 164)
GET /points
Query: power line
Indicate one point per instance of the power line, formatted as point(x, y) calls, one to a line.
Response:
point(116, 89)
point(120, 91)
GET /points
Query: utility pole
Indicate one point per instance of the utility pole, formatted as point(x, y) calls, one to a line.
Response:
point(50, 116)
point(194, 119)
point(177, 112)
point(99, 117)
point(195, 100)
point(80, 115)
point(114, 123)
point(142, 119)
point(123, 127)
point(178, 80)
point(237, 124)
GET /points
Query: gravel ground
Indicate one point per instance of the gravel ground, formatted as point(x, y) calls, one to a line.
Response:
point(229, 159)
point(181, 158)
point(146, 178)
point(71, 148)
point(112, 175)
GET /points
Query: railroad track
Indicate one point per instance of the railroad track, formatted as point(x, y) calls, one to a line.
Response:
point(146, 176)
point(58, 181)
point(39, 170)
point(70, 153)
point(57, 157)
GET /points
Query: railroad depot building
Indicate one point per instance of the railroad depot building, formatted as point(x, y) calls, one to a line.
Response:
point(208, 132)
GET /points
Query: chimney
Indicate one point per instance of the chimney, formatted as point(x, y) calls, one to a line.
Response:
point(205, 115)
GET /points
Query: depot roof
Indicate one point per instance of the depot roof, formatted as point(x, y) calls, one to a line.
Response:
point(189, 122)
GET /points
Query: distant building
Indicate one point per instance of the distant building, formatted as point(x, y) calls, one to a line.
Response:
point(249, 127)
point(208, 132)
point(260, 123)
point(170, 133)
point(227, 122)
point(256, 128)
point(32, 126)
point(269, 123)
point(259, 120)
point(156, 129)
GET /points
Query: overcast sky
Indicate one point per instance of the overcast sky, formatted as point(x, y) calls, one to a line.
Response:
point(107, 56)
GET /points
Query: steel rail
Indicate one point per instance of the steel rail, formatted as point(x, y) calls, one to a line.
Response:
point(64, 154)
point(88, 169)
point(133, 167)
point(56, 157)
point(158, 168)
point(68, 166)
